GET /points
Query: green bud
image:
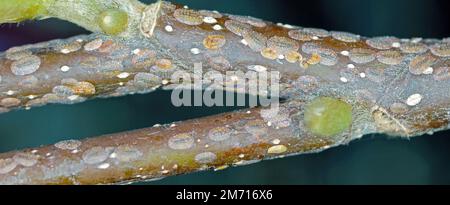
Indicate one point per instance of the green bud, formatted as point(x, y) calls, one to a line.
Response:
point(327, 117)
point(113, 21)
point(13, 11)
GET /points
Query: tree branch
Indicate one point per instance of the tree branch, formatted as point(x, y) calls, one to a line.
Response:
point(335, 86)
point(217, 142)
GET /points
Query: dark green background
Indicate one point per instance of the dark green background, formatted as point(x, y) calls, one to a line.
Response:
point(375, 159)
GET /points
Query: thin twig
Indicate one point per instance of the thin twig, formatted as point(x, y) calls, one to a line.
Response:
point(393, 86)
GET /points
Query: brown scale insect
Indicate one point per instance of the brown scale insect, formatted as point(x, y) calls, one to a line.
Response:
point(214, 42)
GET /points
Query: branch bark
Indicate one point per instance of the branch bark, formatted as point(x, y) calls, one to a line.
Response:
point(398, 87)
point(215, 142)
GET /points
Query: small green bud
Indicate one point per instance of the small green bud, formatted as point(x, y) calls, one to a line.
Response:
point(327, 117)
point(113, 21)
point(13, 11)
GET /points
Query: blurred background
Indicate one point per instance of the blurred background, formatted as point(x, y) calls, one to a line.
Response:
point(375, 159)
